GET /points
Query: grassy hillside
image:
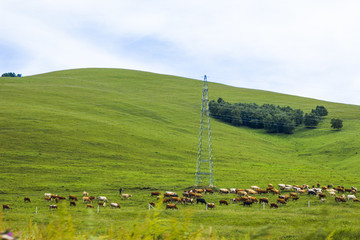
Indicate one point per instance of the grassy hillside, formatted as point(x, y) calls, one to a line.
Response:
point(98, 129)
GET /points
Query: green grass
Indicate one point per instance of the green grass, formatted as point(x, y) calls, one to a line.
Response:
point(99, 129)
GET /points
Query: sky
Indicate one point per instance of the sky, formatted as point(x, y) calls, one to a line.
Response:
point(305, 48)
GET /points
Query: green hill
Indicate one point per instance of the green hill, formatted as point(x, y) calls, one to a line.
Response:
point(98, 129)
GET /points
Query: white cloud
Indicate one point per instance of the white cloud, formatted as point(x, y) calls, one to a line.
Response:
point(305, 48)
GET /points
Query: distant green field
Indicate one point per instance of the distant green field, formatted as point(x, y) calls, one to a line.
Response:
point(95, 130)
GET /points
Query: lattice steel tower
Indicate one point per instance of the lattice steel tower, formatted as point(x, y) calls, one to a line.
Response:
point(204, 175)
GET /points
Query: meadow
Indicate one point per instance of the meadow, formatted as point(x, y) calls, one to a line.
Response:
point(97, 130)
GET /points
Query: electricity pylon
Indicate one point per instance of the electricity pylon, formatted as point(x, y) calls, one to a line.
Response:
point(204, 175)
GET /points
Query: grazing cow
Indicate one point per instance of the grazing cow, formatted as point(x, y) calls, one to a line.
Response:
point(166, 200)
point(242, 193)
point(247, 203)
point(85, 194)
point(102, 198)
point(255, 188)
point(210, 205)
point(351, 197)
point(102, 204)
point(295, 198)
point(6, 206)
point(175, 199)
point(114, 205)
point(281, 186)
point(199, 190)
point(92, 198)
point(251, 191)
point(171, 206)
point(356, 200)
point(155, 193)
point(26, 199)
point(209, 190)
point(72, 197)
point(152, 204)
point(293, 194)
point(242, 199)
point(170, 194)
point(280, 200)
point(47, 199)
point(89, 206)
point(232, 190)
point(126, 196)
point(87, 199)
point(340, 199)
point(264, 200)
point(72, 204)
point(190, 200)
point(54, 196)
point(52, 207)
point(224, 191)
point(253, 199)
point(186, 194)
point(200, 200)
point(47, 195)
point(311, 192)
point(274, 205)
point(221, 202)
point(285, 197)
point(260, 191)
point(275, 191)
point(322, 195)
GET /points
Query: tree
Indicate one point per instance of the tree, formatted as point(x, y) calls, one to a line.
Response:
point(10, 74)
point(311, 120)
point(336, 123)
point(320, 110)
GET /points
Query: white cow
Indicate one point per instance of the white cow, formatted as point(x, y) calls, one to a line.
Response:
point(351, 197)
point(114, 205)
point(101, 198)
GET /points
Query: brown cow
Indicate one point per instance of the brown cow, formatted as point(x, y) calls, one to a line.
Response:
point(72, 204)
point(260, 191)
point(340, 199)
point(152, 204)
point(102, 204)
point(26, 199)
point(264, 200)
point(166, 200)
point(87, 199)
point(223, 202)
point(322, 195)
point(89, 206)
point(175, 199)
point(248, 203)
point(47, 199)
point(171, 206)
point(280, 200)
point(155, 193)
point(274, 205)
point(6, 206)
point(199, 190)
point(210, 205)
point(253, 199)
point(209, 190)
point(72, 197)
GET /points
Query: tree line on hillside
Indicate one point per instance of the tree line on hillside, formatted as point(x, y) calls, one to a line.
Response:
point(10, 74)
point(274, 119)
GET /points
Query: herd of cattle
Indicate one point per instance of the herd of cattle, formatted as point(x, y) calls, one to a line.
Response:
point(246, 197)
